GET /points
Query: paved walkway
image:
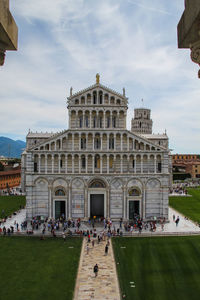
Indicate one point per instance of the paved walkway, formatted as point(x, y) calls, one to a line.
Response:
point(105, 285)
point(18, 218)
point(183, 226)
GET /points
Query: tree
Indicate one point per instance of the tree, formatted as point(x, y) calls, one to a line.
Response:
point(1, 167)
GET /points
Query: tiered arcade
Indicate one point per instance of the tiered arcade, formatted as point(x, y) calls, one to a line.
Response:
point(96, 167)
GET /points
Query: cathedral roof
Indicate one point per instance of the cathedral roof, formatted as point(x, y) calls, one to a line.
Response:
point(97, 86)
point(154, 136)
point(39, 134)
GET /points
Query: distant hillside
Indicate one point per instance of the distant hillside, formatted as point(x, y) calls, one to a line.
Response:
point(11, 148)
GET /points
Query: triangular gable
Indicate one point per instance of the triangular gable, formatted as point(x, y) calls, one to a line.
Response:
point(95, 86)
point(133, 135)
point(50, 139)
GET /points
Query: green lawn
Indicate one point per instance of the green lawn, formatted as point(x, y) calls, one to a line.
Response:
point(32, 269)
point(161, 268)
point(188, 206)
point(10, 204)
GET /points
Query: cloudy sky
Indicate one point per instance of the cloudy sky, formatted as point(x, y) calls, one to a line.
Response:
point(131, 43)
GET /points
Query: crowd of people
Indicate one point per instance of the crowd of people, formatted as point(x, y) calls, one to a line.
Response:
point(77, 227)
point(180, 188)
point(12, 192)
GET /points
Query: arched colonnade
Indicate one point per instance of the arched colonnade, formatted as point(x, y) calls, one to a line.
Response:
point(97, 163)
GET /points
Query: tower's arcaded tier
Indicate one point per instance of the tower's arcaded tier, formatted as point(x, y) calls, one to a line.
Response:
point(142, 122)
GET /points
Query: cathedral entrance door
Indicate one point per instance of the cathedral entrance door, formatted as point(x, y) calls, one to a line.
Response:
point(60, 209)
point(134, 209)
point(97, 205)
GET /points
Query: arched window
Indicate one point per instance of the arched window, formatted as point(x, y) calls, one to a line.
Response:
point(111, 143)
point(94, 98)
point(133, 163)
point(59, 192)
point(35, 167)
point(100, 122)
point(97, 143)
point(86, 121)
point(114, 122)
point(118, 101)
point(134, 192)
point(100, 97)
point(112, 100)
point(97, 161)
point(83, 143)
point(83, 162)
point(80, 121)
point(108, 122)
point(94, 122)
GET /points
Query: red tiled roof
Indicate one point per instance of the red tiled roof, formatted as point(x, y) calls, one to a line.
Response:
point(11, 172)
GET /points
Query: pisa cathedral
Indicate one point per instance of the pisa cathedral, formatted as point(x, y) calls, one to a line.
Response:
point(97, 167)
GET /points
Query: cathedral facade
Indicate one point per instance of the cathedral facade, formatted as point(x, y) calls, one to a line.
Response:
point(97, 167)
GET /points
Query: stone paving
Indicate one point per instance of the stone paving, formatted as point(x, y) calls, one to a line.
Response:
point(105, 285)
point(170, 227)
point(18, 218)
point(183, 226)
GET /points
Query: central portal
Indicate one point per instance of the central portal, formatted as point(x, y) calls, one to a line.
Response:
point(59, 209)
point(97, 205)
point(134, 209)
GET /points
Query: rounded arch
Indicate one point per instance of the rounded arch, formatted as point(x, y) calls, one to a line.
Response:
point(118, 101)
point(153, 183)
point(59, 191)
point(135, 182)
point(61, 181)
point(76, 101)
point(100, 180)
point(40, 179)
point(134, 191)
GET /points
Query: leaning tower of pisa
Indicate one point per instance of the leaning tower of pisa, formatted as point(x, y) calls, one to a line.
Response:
point(142, 122)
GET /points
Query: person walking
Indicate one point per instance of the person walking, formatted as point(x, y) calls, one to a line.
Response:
point(96, 269)
point(93, 243)
point(177, 221)
point(87, 249)
point(106, 249)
